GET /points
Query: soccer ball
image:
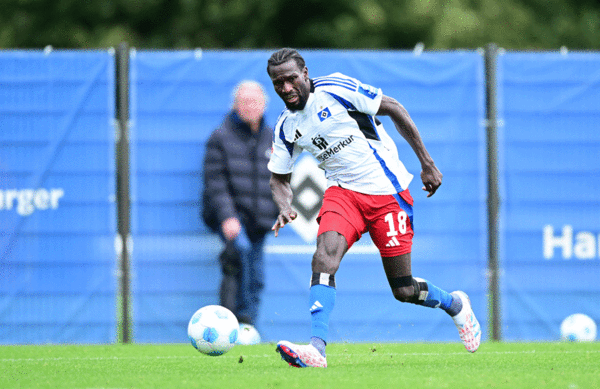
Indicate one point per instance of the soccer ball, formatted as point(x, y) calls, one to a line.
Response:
point(248, 335)
point(578, 328)
point(213, 330)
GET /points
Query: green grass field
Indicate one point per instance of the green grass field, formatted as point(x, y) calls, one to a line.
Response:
point(351, 365)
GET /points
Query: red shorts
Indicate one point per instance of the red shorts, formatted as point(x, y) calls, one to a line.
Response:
point(387, 218)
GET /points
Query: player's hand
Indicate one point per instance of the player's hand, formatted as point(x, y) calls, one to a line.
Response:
point(432, 179)
point(285, 217)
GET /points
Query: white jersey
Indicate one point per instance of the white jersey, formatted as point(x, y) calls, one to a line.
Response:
point(338, 127)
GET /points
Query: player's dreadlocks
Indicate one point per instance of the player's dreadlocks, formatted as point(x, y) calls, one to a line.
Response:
point(284, 55)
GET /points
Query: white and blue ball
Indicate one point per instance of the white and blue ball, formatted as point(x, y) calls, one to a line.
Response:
point(578, 328)
point(248, 335)
point(213, 330)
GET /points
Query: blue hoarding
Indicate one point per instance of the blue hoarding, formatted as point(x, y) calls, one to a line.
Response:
point(550, 180)
point(178, 98)
point(57, 188)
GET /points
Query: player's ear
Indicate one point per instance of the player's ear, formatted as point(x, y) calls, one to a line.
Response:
point(305, 72)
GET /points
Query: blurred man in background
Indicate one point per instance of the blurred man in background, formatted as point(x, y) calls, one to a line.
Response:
point(237, 201)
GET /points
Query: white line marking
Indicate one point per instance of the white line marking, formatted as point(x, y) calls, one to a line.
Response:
point(274, 355)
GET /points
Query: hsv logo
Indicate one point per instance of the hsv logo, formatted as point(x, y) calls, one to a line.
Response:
point(320, 142)
point(324, 114)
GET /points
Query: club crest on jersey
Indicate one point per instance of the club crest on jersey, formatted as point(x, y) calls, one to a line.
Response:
point(324, 114)
point(320, 142)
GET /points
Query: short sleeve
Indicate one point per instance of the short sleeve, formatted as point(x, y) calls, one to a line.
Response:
point(284, 153)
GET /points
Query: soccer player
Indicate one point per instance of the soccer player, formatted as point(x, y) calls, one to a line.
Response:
point(334, 118)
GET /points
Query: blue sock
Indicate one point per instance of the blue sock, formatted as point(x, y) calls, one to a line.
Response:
point(322, 300)
point(436, 297)
point(319, 344)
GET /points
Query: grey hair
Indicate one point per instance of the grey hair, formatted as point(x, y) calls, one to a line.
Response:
point(243, 83)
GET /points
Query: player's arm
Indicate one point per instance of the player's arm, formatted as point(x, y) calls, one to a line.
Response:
point(282, 195)
point(430, 175)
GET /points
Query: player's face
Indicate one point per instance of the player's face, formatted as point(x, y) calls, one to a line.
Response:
point(291, 84)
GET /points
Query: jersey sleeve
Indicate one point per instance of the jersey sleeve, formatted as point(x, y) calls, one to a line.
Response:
point(284, 153)
point(362, 97)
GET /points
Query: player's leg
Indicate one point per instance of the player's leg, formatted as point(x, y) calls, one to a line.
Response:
point(409, 289)
point(339, 223)
point(391, 230)
point(416, 290)
point(331, 247)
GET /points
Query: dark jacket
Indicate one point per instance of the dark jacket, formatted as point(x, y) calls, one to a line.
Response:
point(236, 178)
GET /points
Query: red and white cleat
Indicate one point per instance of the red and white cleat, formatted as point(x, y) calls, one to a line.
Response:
point(467, 324)
point(301, 355)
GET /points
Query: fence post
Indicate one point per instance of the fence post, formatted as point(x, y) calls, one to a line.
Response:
point(123, 199)
point(493, 197)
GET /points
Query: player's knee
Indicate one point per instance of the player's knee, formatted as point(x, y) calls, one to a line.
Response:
point(405, 294)
point(405, 289)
